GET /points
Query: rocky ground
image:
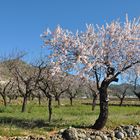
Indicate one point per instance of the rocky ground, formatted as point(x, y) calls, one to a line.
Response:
point(127, 132)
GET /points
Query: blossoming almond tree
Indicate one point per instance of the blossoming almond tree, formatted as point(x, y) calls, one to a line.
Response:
point(109, 50)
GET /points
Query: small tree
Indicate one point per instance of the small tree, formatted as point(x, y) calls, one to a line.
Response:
point(4, 89)
point(121, 93)
point(46, 90)
point(25, 77)
point(110, 49)
point(58, 86)
point(45, 86)
point(73, 87)
point(136, 81)
point(13, 92)
point(71, 94)
point(94, 92)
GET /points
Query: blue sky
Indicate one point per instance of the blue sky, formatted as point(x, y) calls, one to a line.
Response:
point(22, 21)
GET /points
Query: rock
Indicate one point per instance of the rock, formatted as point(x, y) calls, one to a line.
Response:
point(120, 129)
point(61, 131)
point(92, 137)
point(82, 135)
point(111, 134)
point(32, 138)
point(136, 131)
point(129, 128)
point(41, 138)
point(104, 137)
point(70, 134)
point(99, 133)
point(109, 138)
point(98, 138)
point(130, 134)
point(18, 138)
point(119, 135)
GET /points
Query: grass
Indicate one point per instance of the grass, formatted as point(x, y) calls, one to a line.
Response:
point(34, 120)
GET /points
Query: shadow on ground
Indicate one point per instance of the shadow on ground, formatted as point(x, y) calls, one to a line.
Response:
point(31, 124)
point(23, 123)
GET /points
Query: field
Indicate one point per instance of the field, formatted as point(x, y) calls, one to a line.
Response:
point(34, 120)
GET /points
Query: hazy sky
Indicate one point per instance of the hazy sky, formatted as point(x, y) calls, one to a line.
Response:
point(22, 21)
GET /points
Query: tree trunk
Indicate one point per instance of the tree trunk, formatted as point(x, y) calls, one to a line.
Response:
point(137, 94)
point(50, 108)
point(4, 100)
point(58, 100)
point(94, 102)
point(39, 100)
point(24, 104)
point(121, 101)
point(103, 116)
point(71, 101)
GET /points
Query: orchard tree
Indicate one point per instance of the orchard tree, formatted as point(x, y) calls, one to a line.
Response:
point(111, 49)
point(58, 86)
point(45, 84)
point(74, 87)
point(121, 92)
point(72, 91)
point(136, 81)
point(45, 87)
point(5, 87)
point(13, 92)
point(94, 92)
point(25, 77)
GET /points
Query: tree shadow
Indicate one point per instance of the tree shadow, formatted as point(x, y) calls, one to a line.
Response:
point(31, 124)
point(23, 123)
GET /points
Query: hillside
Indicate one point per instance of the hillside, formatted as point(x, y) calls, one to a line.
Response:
point(4, 71)
point(121, 88)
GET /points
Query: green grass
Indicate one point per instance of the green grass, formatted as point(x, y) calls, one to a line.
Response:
point(34, 120)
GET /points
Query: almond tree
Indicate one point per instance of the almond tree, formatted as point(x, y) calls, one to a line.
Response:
point(45, 85)
point(4, 89)
point(37, 94)
point(45, 88)
point(136, 81)
point(121, 93)
point(13, 92)
point(7, 83)
point(58, 86)
point(74, 87)
point(25, 77)
point(72, 92)
point(94, 94)
point(111, 49)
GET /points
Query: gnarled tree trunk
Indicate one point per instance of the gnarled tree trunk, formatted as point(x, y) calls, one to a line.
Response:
point(4, 100)
point(57, 98)
point(39, 100)
point(137, 94)
point(103, 116)
point(121, 101)
point(24, 103)
point(71, 101)
point(50, 108)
